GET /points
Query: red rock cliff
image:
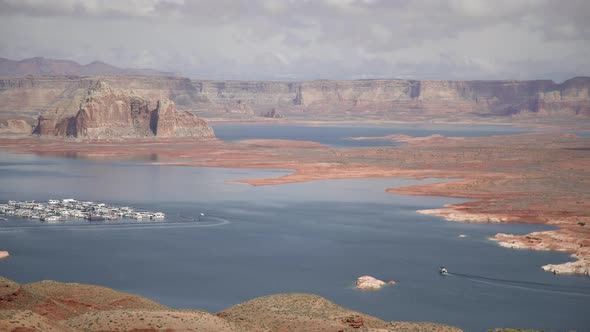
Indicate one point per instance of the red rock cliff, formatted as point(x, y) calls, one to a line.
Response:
point(107, 112)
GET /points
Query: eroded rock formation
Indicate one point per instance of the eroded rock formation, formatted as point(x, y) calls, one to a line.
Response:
point(107, 112)
point(15, 126)
point(371, 283)
point(239, 107)
point(273, 114)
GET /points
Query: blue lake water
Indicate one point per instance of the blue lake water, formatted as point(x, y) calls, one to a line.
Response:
point(582, 133)
point(315, 237)
point(337, 136)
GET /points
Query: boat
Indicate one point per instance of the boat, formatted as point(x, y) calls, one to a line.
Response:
point(443, 270)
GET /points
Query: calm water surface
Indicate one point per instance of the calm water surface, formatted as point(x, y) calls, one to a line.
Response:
point(313, 237)
point(338, 136)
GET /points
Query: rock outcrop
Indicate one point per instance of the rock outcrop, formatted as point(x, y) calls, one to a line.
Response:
point(15, 126)
point(107, 112)
point(581, 267)
point(371, 283)
point(354, 321)
point(273, 114)
point(239, 107)
point(168, 122)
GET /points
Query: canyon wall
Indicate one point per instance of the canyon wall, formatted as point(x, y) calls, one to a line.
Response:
point(107, 112)
point(386, 99)
point(484, 98)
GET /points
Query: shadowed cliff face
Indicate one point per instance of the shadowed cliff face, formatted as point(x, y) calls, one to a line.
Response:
point(378, 99)
point(107, 112)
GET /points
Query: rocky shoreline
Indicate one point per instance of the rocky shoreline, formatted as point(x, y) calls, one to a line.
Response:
point(559, 240)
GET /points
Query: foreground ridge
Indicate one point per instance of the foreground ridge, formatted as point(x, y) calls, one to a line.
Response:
point(60, 307)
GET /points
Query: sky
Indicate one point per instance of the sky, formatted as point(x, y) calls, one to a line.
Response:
point(309, 39)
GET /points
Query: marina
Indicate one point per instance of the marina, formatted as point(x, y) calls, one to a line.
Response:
point(54, 211)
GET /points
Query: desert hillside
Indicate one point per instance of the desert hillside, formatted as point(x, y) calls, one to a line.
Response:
point(55, 306)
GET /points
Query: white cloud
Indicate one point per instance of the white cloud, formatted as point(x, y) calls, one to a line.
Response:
point(462, 39)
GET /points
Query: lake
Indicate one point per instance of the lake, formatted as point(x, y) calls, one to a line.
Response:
point(338, 136)
point(315, 237)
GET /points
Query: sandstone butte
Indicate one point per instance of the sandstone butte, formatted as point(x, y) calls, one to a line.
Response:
point(108, 113)
point(371, 283)
point(68, 307)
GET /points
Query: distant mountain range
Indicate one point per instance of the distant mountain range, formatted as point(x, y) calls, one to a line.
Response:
point(39, 66)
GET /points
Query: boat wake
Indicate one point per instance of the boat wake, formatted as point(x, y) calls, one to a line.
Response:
point(210, 221)
point(527, 285)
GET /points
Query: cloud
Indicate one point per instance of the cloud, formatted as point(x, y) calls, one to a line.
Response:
point(305, 39)
point(86, 8)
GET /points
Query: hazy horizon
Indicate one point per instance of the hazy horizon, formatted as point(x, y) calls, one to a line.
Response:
point(306, 40)
point(180, 74)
